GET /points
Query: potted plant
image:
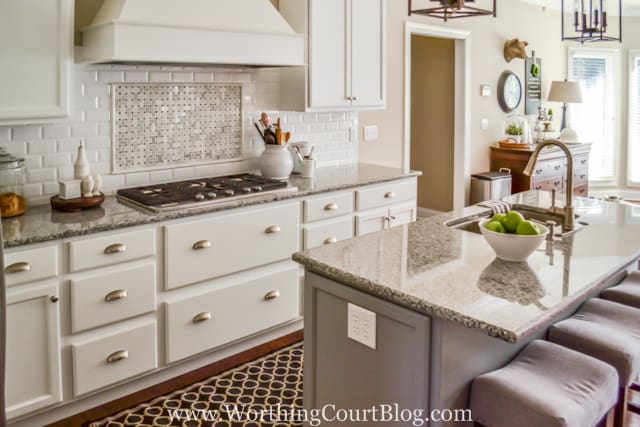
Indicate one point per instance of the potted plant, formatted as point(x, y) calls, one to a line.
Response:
point(514, 132)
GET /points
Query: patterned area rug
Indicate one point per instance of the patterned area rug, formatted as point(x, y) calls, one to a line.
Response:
point(263, 393)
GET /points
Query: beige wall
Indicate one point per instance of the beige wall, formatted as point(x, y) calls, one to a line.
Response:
point(515, 19)
point(432, 119)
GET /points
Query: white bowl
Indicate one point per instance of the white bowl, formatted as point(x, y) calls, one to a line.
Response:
point(513, 247)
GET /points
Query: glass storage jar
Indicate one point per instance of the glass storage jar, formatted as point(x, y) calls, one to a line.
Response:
point(12, 178)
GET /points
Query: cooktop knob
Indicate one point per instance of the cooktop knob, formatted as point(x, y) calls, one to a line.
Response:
point(246, 190)
point(256, 188)
point(229, 193)
point(212, 195)
point(199, 197)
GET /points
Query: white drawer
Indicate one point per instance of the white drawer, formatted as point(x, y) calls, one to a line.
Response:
point(112, 249)
point(114, 358)
point(205, 249)
point(329, 206)
point(386, 194)
point(30, 265)
point(208, 320)
point(371, 222)
point(402, 214)
point(325, 234)
point(106, 298)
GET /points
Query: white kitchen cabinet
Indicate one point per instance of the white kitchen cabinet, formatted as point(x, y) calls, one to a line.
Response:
point(36, 40)
point(33, 349)
point(346, 55)
point(380, 219)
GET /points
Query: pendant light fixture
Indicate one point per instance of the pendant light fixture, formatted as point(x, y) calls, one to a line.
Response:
point(588, 21)
point(451, 9)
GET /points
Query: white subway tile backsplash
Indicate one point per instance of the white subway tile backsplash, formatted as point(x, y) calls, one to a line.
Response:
point(183, 173)
point(110, 76)
point(16, 148)
point(96, 142)
point(65, 172)
point(136, 76)
point(98, 116)
point(205, 77)
point(42, 146)
point(33, 161)
point(32, 190)
point(41, 175)
point(221, 77)
point(57, 159)
point(133, 179)
point(160, 176)
point(242, 78)
point(96, 90)
point(5, 134)
point(28, 132)
point(51, 187)
point(85, 76)
point(160, 76)
point(84, 130)
point(182, 77)
point(56, 131)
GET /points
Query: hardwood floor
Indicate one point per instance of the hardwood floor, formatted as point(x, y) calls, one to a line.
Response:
point(166, 387)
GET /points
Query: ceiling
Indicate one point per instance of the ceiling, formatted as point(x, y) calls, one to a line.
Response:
point(629, 7)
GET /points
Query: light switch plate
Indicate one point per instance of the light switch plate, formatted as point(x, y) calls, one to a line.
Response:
point(484, 125)
point(361, 325)
point(485, 90)
point(371, 133)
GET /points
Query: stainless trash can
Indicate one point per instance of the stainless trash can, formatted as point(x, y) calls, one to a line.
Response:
point(490, 185)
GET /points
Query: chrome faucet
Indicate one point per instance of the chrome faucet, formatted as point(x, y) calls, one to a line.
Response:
point(569, 210)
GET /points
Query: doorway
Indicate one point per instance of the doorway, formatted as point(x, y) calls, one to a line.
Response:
point(437, 111)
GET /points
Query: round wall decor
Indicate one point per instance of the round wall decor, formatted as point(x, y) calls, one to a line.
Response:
point(509, 91)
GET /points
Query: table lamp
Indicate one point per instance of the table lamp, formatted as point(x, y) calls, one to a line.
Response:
point(565, 92)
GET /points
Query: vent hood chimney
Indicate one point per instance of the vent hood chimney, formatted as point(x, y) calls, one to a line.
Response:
point(226, 32)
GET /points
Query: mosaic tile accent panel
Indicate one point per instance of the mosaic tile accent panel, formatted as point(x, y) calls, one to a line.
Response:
point(169, 124)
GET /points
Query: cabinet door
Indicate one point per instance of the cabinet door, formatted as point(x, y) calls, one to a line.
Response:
point(36, 45)
point(368, 46)
point(329, 53)
point(33, 349)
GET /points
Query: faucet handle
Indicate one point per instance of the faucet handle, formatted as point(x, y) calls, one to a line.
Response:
point(551, 225)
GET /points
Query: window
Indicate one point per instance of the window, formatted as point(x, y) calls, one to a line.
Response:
point(595, 118)
point(633, 149)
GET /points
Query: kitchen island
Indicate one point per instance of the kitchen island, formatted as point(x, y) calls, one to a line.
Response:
point(446, 310)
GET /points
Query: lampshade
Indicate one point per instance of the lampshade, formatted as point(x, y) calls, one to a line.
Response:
point(564, 91)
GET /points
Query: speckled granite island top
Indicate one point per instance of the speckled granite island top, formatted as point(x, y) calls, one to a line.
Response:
point(454, 274)
point(41, 224)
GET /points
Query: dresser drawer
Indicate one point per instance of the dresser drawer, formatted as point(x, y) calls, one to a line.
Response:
point(328, 206)
point(387, 194)
point(325, 234)
point(580, 177)
point(553, 183)
point(113, 358)
point(112, 249)
point(581, 162)
point(30, 265)
point(548, 168)
point(106, 298)
point(205, 249)
point(208, 320)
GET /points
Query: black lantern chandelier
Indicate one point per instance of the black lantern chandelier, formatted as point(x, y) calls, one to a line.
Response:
point(589, 20)
point(451, 9)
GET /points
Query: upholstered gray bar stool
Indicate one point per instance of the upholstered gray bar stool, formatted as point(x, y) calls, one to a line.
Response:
point(609, 332)
point(627, 292)
point(546, 385)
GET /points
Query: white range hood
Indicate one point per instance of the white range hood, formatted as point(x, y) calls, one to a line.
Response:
point(236, 32)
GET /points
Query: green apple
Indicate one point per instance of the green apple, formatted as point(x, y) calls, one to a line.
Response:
point(499, 217)
point(495, 226)
point(527, 228)
point(512, 221)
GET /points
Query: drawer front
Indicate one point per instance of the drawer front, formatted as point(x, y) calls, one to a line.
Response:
point(202, 250)
point(580, 177)
point(581, 162)
point(371, 222)
point(206, 321)
point(325, 234)
point(330, 206)
point(403, 214)
point(101, 251)
point(107, 298)
point(113, 358)
point(581, 190)
point(387, 194)
point(548, 168)
point(554, 183)
point(30, 265)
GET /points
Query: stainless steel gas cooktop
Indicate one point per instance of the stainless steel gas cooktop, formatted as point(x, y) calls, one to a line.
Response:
point(201, 192)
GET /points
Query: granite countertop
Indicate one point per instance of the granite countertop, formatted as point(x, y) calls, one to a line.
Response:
point(454, 274)
point(41, 224)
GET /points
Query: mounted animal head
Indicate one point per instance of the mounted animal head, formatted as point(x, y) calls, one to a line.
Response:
point(514, 48)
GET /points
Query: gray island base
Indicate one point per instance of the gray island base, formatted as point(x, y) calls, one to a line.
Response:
point(445, 309)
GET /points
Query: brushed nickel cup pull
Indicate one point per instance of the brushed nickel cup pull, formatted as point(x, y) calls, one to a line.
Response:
point(272, 230)
point(390, 195)
point(116, 248)
point(272, 295)
point(202, 244)
point(117, 356)
point(18, 267)
point(330, 240)
point(202, 317)
point(116, 295)
point(331, 207)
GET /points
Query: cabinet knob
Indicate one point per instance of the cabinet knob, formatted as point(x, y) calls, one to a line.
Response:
point(556, 183)
point(390, 195)
point(331, 207)
point(115, 295)
point(54, 299)
point(539, 171)
point(117, 356)
point(557, 167)
point(271, 295)
point(330, 240)
point(272, 229)
point(538, 187)
point(202, 317)
point(18, 267)
point(202, 244)
point(116, 248)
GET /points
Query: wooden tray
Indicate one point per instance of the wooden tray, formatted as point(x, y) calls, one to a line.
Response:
point(506, 144)
point(76, 205)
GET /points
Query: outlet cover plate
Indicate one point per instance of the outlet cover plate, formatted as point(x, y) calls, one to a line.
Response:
point(371, 133)
point(361, 325)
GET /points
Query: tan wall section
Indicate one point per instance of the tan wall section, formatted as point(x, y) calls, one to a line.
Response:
point(432, 119)
point(515, 19)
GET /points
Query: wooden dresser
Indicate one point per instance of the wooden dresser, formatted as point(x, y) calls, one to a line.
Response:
point(550, 170)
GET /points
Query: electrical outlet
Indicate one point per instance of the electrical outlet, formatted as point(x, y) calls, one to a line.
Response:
point(484, 125)
point(361, 325)
point(371, 133)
